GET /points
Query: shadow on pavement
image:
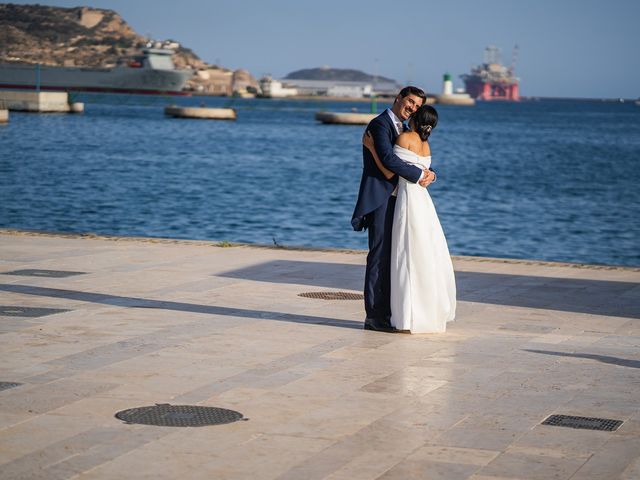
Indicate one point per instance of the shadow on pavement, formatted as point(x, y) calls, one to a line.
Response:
point(133, 302)
point(623, 362)
point(598, 297)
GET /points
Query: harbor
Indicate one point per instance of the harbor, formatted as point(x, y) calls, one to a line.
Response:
point(93, 326)
point(181, 287)
point(153, 72)
point(124, 168)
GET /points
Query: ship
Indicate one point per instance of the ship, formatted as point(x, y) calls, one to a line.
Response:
point(153, 73)
point(492, 80)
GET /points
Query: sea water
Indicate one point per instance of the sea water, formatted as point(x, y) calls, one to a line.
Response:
point(548, 180)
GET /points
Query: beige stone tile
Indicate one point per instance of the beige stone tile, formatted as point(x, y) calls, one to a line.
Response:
point(632, 472)
point(368, 465)
point(338, 418)
point(562, 440)
point(465, 456)
point(146, 465)
point(12, 419)
point(272, 456)
point(493, 477)
point(421, 469)
point(487, 433)
point(630, 427)
point(35, 434)
point(615, 458)
point(230, 331)
point(532, 467)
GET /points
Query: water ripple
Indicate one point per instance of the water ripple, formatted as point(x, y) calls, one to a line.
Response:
point(545, 180)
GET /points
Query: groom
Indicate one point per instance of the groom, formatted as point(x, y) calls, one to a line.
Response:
point(376, 203)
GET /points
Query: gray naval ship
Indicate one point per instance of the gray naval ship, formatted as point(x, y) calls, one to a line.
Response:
point(153, 72)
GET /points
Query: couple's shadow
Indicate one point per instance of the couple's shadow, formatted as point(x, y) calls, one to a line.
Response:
point(597, 297)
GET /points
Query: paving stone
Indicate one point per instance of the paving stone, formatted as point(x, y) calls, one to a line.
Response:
point(190, 323)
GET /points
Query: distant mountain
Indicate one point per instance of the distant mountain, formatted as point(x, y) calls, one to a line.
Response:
point(335, 74)
point(72, 36)
point(95, 37)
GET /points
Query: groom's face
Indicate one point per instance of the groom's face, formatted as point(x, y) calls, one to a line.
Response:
point(405, 106)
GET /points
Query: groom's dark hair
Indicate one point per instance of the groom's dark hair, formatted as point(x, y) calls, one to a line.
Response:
point(418, 92)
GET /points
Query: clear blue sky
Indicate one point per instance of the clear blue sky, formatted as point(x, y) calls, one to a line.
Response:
point(573, 48)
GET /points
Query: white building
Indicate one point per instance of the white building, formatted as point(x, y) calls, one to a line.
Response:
point(355, 91)
point(339, 88)
point(271, 88)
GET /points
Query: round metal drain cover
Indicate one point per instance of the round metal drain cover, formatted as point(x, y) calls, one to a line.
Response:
point(333, 295)
point(165, 415)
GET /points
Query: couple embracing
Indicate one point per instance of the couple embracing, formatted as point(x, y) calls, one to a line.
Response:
point(409, 280)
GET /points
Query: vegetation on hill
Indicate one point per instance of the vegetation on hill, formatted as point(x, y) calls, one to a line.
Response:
point(72, 36)
point(335, 74)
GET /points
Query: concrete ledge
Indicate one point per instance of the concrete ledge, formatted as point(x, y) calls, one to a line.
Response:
point(201, 113)
point(226, 244)
point(461, 99)
point(41, 102)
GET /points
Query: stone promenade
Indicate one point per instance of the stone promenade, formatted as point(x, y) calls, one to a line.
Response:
point(94, 326)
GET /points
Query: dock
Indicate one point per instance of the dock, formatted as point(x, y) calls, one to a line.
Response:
point(39, 102)
point(93, 326)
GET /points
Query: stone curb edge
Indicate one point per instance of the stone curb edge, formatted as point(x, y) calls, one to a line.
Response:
point(225, 244)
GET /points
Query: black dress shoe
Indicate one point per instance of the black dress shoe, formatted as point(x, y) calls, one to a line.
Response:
point(378, 326)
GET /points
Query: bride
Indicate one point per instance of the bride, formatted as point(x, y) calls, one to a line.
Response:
point(423, 288)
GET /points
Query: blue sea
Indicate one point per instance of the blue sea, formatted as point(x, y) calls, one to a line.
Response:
point(548, 180)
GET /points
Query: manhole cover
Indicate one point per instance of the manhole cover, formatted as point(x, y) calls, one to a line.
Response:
point(333, 295)
point(43, 273)
point(31, 312)
point(588, 423)
point(166, 415)
point(8, 385)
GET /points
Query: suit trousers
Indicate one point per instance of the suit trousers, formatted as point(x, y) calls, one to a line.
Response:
point(377, 280)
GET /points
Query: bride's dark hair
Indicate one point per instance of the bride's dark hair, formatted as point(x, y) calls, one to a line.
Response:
point(425, 119)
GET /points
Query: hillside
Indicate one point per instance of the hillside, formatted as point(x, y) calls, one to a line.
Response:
point(71, 36)
point(335, 74)
point(93, 37)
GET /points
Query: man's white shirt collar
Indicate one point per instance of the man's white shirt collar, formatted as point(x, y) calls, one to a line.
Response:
point(396, 121)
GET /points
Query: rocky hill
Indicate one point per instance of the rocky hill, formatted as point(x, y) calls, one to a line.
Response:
point(93, 37)
point(335, 74)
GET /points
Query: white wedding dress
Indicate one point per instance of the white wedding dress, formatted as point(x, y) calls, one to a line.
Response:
point(423, 286)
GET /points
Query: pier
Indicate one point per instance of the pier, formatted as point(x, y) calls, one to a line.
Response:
point(93, 326)
point(39, 102)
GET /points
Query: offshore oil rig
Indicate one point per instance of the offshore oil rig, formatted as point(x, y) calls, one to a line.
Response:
point(492, 80)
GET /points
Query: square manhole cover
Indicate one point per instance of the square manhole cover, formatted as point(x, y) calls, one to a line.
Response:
point(587, 423)
point(43, 273)
point(31, 312)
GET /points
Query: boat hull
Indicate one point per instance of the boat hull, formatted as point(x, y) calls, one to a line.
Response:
point(111, 80)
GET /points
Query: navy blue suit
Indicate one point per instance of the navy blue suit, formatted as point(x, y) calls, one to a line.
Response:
point(374, 212)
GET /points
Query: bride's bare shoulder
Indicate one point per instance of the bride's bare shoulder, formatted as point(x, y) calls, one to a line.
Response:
point(409, 140)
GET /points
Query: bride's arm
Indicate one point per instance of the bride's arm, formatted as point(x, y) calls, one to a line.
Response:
point(367, 141)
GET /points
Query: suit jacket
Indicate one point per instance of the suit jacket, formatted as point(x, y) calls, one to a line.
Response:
point(375, 189)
